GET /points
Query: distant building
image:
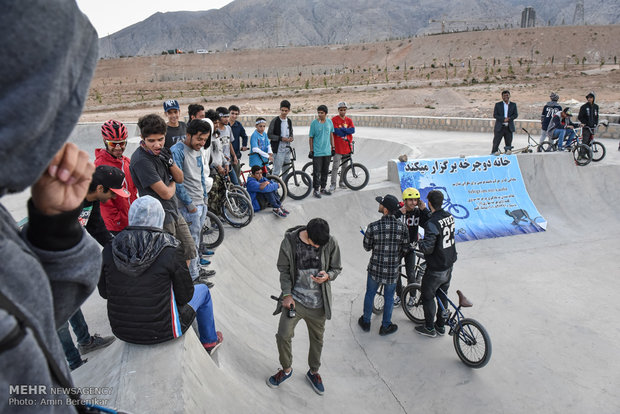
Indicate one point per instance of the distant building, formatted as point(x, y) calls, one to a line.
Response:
point(528, 17)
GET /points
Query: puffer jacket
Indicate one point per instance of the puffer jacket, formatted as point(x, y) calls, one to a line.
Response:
point(114, 212)
point(147, 284)
point(330, 262)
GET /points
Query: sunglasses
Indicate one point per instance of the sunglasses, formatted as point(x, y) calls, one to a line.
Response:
point(113, 144)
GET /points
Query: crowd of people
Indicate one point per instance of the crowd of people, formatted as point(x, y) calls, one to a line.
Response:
point(147, 210)
point(555, 122)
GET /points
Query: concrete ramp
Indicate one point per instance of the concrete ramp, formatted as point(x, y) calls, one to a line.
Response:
point(548, 301)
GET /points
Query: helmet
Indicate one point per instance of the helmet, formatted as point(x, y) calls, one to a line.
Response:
point(410, 193)
point(554, 96)
point(342, 105)
point(114, 131)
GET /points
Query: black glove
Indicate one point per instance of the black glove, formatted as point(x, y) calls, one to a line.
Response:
point(166, 156)
point(311, 154)
point(333, 152)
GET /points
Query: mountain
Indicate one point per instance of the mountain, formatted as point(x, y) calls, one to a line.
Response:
point(258, 24)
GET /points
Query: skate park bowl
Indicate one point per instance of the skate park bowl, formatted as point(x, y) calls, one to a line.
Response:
point(543, 298)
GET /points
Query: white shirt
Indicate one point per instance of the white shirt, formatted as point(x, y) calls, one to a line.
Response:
point(506, 111)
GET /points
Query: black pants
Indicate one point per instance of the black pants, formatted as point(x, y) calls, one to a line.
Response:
point(587, 136)
point(505, 133)
point(320, 167)
point(432, 281)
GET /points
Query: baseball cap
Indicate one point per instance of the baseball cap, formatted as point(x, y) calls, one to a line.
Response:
point(389, 201)
point(342, 104)
point(568, 111)
point(171, 104)
point(112, 178)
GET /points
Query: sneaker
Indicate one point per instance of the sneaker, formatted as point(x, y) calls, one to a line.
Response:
point(96, 342)
point(285, 211)
point(275, 380)
point(441, 330)
point(397, 301)
point(496, 153)
point(422, 330)
point(391, 328)
point(212, 346)
point(204, 281)
point(206, 273)
point(343, 186)
point(316, 382)
point(278, 212)
point(364, 325)
point(410, 302)
point(208, 252)
point(79, 364)
point(316, 194)
point(332, 188)
point(325, 192)
point(204, 262)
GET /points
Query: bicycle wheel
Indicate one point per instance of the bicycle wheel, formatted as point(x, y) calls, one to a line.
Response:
point(598, 151)
point(582, 154)
point(237, 210)
point(411, 302)
point(356, 176)
point(212, 232)
point(282, 191)
point(241, 190)
point(379, 301)
point(308, 169)
point(458, 211)
point(546, 146)
point(472, 343)
point(298, 185)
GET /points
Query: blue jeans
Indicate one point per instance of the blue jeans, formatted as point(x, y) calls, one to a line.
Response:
point(388, 295)
point(561, 133)
point(80, 328)
point(195, 221)
point(432, 281)
point(202, 304)
point(271, 197)
point(233, 176)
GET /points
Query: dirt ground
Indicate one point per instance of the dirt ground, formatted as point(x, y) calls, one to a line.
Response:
point(457, 74)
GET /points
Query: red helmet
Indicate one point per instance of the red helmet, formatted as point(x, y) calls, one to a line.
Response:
point(114, 131)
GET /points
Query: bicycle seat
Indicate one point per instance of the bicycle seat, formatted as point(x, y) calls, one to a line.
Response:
point(463, 301)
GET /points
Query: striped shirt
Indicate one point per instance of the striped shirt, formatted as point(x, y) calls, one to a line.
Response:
point(388, 239)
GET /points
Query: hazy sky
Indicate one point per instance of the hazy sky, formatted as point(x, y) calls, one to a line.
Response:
point(109, 16)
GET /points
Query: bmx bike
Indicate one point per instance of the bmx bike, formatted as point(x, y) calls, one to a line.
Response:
point(354, 175)
point(582, 153)
point(471, 340)
point(282, 190)
point(420, 266)
point(457, 210)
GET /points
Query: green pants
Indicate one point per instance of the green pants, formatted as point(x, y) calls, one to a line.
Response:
point(315, 321)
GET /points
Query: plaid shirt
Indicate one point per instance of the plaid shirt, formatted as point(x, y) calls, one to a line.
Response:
point(388, 239)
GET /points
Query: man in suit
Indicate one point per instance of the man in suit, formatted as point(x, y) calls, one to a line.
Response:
point(505, 113)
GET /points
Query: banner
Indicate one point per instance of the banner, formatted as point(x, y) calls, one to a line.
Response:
point(486, 195)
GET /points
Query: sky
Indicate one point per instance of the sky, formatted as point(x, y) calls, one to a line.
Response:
point(110, 16)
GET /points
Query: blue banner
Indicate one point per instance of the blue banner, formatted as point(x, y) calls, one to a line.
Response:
point(486, 195)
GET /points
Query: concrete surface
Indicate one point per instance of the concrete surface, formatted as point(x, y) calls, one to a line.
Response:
point(547, 300)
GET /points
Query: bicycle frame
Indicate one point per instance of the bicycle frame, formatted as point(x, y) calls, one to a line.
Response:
point(451, 319)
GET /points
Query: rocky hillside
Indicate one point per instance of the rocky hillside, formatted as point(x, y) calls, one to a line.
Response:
point(260, 24)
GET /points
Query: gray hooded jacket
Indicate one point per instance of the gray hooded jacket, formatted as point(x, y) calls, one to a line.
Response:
point(49, 55)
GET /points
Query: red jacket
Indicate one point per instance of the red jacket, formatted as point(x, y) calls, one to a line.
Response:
point(115, 212)
point(343, 130)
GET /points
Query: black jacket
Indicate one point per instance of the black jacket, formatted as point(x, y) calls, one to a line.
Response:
point(95, 226)
point(274, 132)
point(588, 114)
point(498, 114)
point(412, 220)
point(147, 284)
point(438, 242)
